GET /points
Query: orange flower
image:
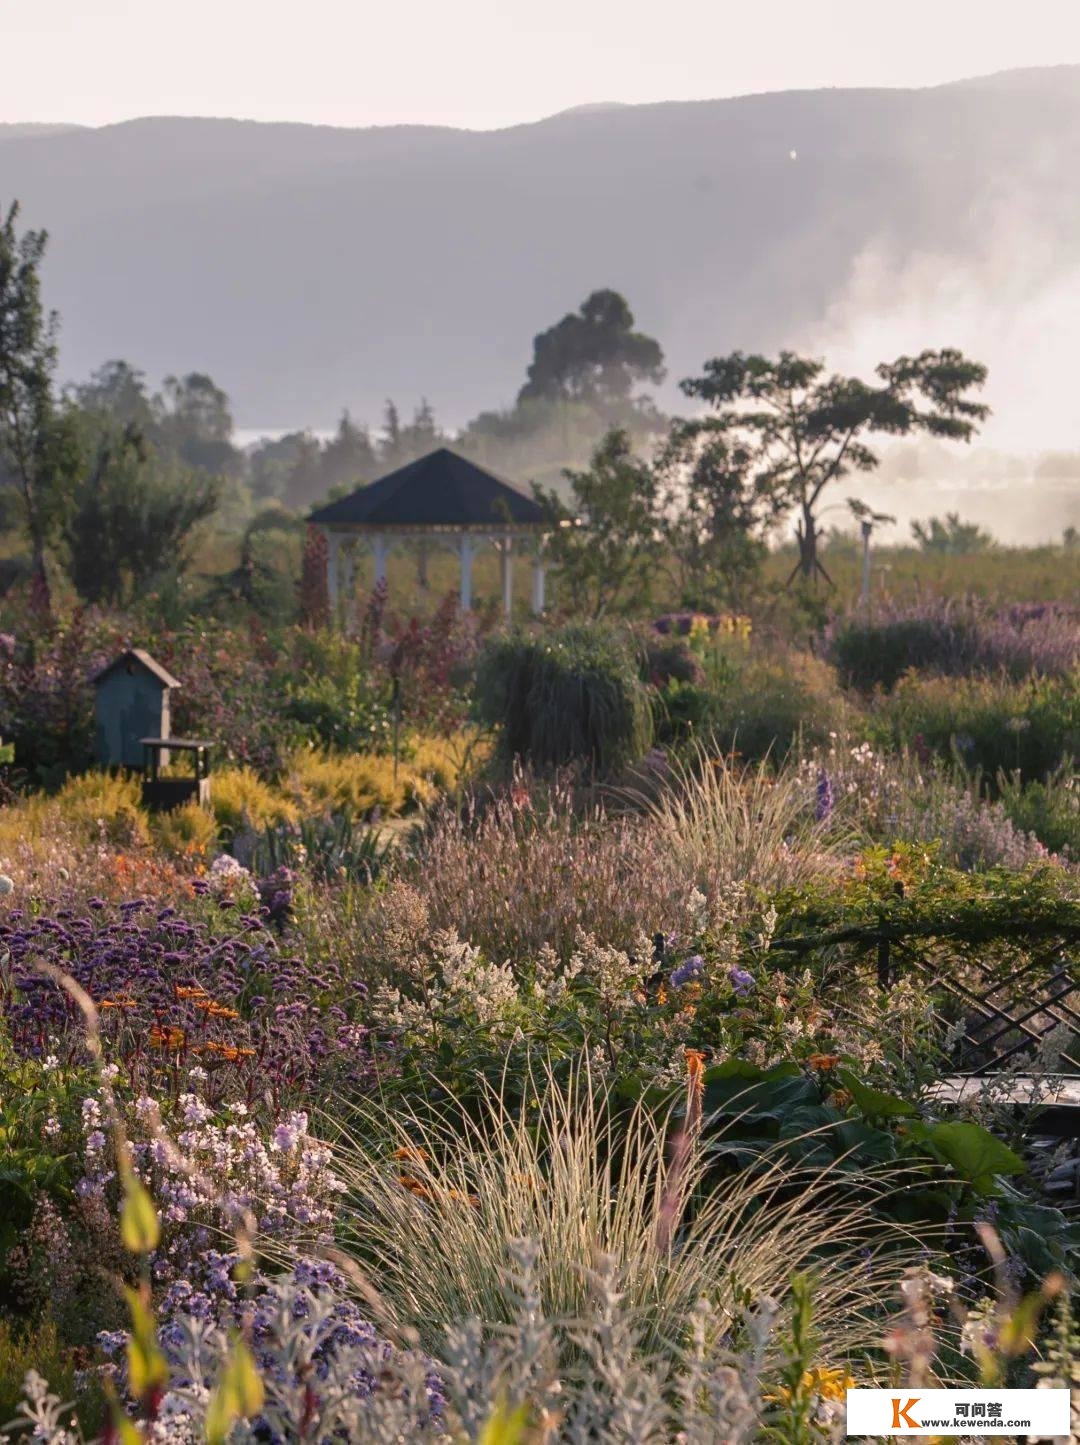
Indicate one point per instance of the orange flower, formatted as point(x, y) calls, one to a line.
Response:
point(840, 1098)
point(225, 1051)
point(216, 1010)
point(695, 1069)
point(661, 995)
point(413, 1185)
point(194, 991)
point(122, 1001)
point(824, 1063)
point(166, 1038)
point(411, 1151)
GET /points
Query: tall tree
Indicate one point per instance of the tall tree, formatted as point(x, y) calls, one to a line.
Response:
point(195, 423)
point(348, 458)
point(132, 515)
point(605, 545)
point(804, 429)
point(117, 390)
point(593, 355)
point(37, 450)
point(717, 515)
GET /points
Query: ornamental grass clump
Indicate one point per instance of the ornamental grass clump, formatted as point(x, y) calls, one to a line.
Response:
point(566, 696)
point(531, 870)
point(432, 1210)
point(751, 825)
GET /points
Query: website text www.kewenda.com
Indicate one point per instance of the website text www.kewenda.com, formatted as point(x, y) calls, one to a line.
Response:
point(965, 1422)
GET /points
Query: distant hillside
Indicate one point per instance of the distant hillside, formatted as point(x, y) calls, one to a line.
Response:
point(32, 128)
point(308, 267)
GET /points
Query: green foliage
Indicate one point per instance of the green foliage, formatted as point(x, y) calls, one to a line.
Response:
point(39, 1347)
point(568, 695)
point(593, 355)
point(131, 519)
point(1050, 810)
point(951, 537)
point(605, 545)
point(718, 512)
point(760, 707)
point(36, 448)
point(800, 430)
point(824, 1117)
point(334, 847)
point(344, 711)
point(988, 724)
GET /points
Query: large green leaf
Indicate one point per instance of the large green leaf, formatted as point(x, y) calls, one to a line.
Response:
point(874, 1103)
point(973, 1152)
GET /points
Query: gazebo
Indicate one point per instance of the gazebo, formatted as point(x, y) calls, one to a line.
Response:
point(441, 498)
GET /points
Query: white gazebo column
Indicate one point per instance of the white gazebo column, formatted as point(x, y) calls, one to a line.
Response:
point(380, 550)
point(538, 586)
point(506, 556)
point(466, 551)
point(333, 545)
point(347, 570)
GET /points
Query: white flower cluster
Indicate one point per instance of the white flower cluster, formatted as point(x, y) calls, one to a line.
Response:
point(459, 983)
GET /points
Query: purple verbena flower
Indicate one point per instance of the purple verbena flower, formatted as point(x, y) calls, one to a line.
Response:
point(687, 971)
point(823, 804)
point(741, 981)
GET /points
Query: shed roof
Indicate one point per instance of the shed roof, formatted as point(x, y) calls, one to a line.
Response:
point(441, 489)
point(136, 654)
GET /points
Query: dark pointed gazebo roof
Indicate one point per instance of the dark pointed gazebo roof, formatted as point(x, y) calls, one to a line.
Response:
point(441, 489)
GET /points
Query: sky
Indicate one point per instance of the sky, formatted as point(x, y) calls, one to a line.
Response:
point(488, 63)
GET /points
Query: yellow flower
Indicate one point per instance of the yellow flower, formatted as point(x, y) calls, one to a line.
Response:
point(828, 1384)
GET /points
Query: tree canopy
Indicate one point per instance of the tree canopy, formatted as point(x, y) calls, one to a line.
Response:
point(593, 355)
point(802, 428)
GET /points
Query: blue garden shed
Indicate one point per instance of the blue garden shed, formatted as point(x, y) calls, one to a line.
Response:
point(132, 703)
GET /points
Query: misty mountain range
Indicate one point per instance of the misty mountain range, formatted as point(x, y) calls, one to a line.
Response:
point(310, 268)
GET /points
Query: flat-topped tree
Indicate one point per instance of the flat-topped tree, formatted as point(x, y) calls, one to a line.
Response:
point(593, 355)
point(803, 428)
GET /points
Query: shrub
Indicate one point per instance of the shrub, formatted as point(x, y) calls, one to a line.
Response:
point(105, 805)
point(665, 659)
point(335, 711)
point(229, 693)
point(353, 784)
point(566, 696)
point(1049, 810)
point(890, 798)
point(988, 724)
point(189, 831)
point(46, 698)
point(240, 798)
point(760, 709)
point(954, 639)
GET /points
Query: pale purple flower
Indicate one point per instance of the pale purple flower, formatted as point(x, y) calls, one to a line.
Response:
point(687, 971)
point(741, 981)
point(823, 804)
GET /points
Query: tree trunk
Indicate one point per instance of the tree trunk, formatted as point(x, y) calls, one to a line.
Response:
point(807, 536)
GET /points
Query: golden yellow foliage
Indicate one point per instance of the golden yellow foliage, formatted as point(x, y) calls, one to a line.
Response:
point(239, 797)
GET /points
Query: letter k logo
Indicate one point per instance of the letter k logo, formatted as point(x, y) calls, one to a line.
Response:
point(901, 1418)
